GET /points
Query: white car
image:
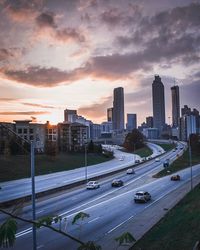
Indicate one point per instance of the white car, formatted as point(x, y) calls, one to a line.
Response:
point(142, 196)
point(157, 159)
point(130, 171)
point(92, 185)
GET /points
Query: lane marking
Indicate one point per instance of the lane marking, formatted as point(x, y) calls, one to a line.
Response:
point(93, 219)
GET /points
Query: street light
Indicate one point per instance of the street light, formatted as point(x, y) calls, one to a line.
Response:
point(86, 178)
point(190, 161)
point(32, 154)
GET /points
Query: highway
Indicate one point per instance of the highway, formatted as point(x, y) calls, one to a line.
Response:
point(109, 208)
point(21, 188)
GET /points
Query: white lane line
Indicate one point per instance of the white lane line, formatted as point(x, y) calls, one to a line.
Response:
point(120, 224)
point(93, 219)
point(184, 182)
point(39, 211)
point(40, 246)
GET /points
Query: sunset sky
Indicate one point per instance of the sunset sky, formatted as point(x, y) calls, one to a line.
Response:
point(59, 54)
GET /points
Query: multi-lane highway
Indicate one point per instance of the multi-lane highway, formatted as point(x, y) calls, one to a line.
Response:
point(20, 188)
point(109, 208)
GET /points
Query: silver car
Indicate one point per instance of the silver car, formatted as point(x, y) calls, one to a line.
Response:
point(92, 185)
point(142, 196)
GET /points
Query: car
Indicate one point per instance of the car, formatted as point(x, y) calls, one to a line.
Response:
point(117, 183)
point(92, 185)
point(166, 163)
point(130, 171)
point(121, 158)
point(157, 159)
point(142, 196)
point(175, 177)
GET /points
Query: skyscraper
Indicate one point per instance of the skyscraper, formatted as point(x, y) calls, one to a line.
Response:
point(70, 115)
point(158, 104)
point(131, 122)
point(118, 109)
point(109, 114)
point(175, 106)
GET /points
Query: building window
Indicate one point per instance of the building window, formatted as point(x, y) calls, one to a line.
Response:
point(19, 131)
point(25, 130)
point(31, 137)
point(25, 137)
point(31, 130)
point(50, 137)
point(50, 131)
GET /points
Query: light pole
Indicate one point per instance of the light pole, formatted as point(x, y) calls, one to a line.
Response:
point(190, 162)
point(33, 193)
point(86, 178)
point(32, 154)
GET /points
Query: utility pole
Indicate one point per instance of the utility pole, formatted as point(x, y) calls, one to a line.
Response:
point(33, 194)
point(86, 178)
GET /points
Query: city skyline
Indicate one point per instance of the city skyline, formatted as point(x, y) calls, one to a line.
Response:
point(57, 55)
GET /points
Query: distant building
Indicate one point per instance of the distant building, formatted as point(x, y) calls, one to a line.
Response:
point(31, 132)
point(70, 115)
point(72, 136)
point(95, 131)
point(131, 122)
point(158, 104)
point(110, 114)
point(150, 133)
point(118, 110)
point(175, 106)
point(149, 121)
point(188, 126)
point(106, 127)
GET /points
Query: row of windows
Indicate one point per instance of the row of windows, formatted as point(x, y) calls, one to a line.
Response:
point(25, 131)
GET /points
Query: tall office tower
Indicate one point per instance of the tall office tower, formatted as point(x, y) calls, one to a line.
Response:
point(109, 114)
point(175, 106)
point(118, 109)
point(149, 121)
point(131, 122)
point(70, 115)
point(185, 110)
point(158, 104)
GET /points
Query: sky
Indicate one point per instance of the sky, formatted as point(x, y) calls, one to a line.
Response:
point(58, 54)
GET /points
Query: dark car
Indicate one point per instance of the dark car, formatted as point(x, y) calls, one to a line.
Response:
point(175, 177)
point(117, 183)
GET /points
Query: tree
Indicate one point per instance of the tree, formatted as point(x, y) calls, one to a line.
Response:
point(125, 239)
point(9, 228)
point(195, 143)
point(51, 149)
point(134, 140)
point(90, 147)
point(80, 217)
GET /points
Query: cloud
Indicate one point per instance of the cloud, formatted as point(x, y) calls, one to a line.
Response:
point(37, 76)
point(7, 99)
point(112, 17)
point(10, 53)
point(24, 113)
point(96, 111)
point(38, 105)
point(22, 10)
point(46, 20)
point(47, 26)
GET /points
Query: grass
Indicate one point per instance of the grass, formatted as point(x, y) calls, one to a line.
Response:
point(166, 147)
point(179, 229)
point(143, 152)
point(181, 163)
point(17, 167)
